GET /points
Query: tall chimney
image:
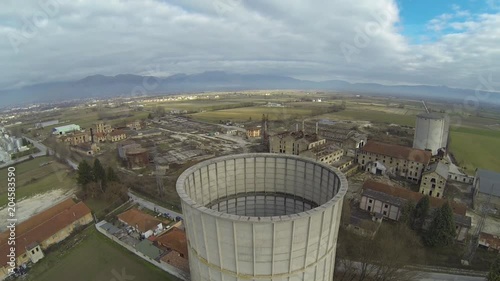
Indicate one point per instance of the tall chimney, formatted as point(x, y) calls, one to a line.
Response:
point(316, 128)
point(91, 136)
point(303, 126)
point(297, 127)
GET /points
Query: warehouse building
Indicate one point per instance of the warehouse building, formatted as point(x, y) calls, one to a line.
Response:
point(65, 129)
point(486, 190)
point(326, 153)
point(398, 160)
point(294, 142)
point(43, 230)
point(389, 201)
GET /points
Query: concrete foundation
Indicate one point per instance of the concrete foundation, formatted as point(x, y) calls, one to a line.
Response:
point(261, 217)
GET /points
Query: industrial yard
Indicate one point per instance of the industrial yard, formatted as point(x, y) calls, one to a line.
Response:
point(151, 147)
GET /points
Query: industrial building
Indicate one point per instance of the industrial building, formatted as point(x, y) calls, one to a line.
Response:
point(389, 201)
point(103, 128)
point(137, 158)
point(75, 138)
point(398, 160)
point(88, 149)
point(253, 132)
point(9, 145)
point(116, 135)
point(45, 124)
point(434, 180)
point(250, 216)
point(326, 153)
point(43, 230)
point(486, 190)
point(347, 139)
point(431, 132)
point(294, 142)
point(65, 129)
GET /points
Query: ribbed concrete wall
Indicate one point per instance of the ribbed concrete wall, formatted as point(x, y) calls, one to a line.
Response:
point(261, 217)
point(431, 133)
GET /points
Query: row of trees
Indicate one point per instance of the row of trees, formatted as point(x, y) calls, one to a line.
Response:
point(98, 182)
point(440, 232)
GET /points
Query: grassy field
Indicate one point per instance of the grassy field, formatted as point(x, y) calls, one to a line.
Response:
point(255, 113)
point(372, 116)
point(475, 148)
point(32, 179)
point(95, 258)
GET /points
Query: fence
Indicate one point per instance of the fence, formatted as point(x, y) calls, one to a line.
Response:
point(166, 267)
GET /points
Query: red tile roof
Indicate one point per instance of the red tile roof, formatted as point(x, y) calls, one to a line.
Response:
point(142, 221)
point(175, 239)
point(39, 218)
point(409, 195)
point(489, 240)
point(32, 231)
point(398, 151)
point(174, 259)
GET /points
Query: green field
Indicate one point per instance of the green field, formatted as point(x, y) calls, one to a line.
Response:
point(95, 258)
point(476, 148)
point(255, 113)
point(375, 116)
point(31, 179)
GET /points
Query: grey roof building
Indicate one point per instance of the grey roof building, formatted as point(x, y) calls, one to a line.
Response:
point(440, 168)
point(487, 182)
point(147, 248)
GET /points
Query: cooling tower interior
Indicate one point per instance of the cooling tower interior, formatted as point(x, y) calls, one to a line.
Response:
point(261, 217)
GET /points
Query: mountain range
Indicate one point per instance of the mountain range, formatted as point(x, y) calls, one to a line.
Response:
point(100, 86)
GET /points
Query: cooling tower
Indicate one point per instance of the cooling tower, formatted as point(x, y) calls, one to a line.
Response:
point(261, 217)
point(431, 132)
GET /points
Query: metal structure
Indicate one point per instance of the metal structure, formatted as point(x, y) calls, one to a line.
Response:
point(474, 241)
point(431, 132)
point(261, 216)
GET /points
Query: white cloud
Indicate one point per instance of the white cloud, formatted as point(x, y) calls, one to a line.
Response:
point(299, 38)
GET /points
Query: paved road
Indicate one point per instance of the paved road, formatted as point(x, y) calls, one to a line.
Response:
point(40, 146)
point(427, 276)
point(152, 206)
point(42, 152)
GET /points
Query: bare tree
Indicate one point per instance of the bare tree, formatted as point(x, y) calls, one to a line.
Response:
point(383, 258)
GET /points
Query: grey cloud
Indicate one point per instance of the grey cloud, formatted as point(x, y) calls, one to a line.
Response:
point(299, 38)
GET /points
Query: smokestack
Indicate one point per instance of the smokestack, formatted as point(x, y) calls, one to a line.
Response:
point(316, 128)
point(91, 136)
point(296, 127)
point(303, 126)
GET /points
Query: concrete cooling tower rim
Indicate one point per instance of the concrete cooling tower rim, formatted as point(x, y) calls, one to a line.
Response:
point(180, 186)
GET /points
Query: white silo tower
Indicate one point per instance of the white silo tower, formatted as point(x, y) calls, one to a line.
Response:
point(10, 147)
point(261, 217)
point(431, 132)
point(19, 142)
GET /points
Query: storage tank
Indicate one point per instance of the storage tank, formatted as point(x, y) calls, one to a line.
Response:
point(10, 147)
point(19, 142)
point(261, 217)
point(431, 132)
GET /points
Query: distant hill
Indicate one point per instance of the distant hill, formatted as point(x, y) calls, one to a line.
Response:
point(100, 86)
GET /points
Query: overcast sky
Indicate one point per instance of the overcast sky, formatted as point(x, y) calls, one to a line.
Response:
point(389, 42)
